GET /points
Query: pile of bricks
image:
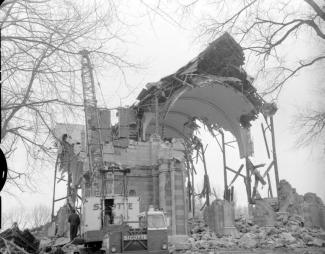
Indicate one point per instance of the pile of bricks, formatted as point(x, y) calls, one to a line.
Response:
point(288, 233)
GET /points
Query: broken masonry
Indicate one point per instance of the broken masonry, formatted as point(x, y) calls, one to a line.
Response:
point(149, 153)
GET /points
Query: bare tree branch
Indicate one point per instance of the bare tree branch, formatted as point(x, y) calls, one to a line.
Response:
point(40, 70)
point(295, 71)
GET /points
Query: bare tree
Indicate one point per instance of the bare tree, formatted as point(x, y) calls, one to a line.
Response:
point(311, 124)
point(16, 215)
point(40, 63)
point(26, 218)
point(39, 216)
point(266, 30)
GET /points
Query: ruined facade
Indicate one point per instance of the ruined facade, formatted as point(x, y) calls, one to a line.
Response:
point(146, 154)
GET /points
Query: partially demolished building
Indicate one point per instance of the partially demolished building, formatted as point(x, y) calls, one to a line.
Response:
point(147, 155)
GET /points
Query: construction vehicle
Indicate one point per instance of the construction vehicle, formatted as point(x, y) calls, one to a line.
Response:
point(144, 232)
point(110, 223)
point(149, 236)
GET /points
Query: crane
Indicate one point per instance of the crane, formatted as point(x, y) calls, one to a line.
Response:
point(93, 133)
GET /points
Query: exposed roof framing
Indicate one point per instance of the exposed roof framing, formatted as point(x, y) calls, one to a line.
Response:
point(213, 87)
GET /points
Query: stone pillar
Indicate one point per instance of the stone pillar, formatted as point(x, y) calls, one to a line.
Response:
point(162, 177)
point(221, 218)
point(229, 219)
point(172, 196)
point(179, 197)
point(215, 217)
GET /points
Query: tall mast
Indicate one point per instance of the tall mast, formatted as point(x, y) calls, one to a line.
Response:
point(93, 133)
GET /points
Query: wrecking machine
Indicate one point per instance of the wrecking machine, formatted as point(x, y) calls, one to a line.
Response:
point(111, 223)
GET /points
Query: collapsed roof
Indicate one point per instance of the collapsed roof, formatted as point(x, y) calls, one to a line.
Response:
point(213, 88)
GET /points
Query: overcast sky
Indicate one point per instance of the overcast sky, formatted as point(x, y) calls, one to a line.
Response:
point(162, 47)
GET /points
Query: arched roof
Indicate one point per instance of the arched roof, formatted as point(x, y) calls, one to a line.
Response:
point(214, 88)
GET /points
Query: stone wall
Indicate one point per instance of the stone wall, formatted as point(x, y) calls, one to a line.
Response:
point(309, 206)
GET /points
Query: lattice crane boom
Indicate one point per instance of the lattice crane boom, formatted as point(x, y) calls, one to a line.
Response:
point(93, 134)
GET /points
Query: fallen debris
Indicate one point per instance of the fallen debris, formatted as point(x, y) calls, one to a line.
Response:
point(309, 206)
point(15, 239)
point(263, 213)
point(288, 232)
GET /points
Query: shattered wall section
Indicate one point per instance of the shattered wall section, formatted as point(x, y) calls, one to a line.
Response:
point(263, 213)
point(310, 207)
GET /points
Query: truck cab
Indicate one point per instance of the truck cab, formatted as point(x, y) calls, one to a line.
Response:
point(150, 236)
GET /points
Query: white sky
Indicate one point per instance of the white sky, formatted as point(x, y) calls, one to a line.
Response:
point(162, 48)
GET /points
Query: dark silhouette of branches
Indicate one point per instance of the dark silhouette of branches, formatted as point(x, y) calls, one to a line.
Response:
point(264, 28)
point(40, 41)
point(311, 125)
point(27, 217)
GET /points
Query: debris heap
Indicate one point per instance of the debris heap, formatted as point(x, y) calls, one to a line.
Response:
point(309, 206)
point(14, 240)
point(297, 224)
point(288, 232)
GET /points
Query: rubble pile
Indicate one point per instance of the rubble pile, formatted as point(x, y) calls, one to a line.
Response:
point(17, 239)
point(288, 232)
point(308, 206)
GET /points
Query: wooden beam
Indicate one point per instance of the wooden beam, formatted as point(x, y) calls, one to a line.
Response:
point(274, 157)
point(60, 179)
point(54, 187)
point(224, 161)
point(248, 182)
point(255, 188)
point(254, 170)
point(206, 176)
point(270, 186)
point(234, 171)
point(156, 115)
point(265, 141)
point(259, 165)
point(268, 169)
point(60, 199)
point(237, 174)
point(193, 192)
point(258, 175)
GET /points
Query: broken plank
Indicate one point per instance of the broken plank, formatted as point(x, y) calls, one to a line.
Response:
point(268, 169)
point(60, 199)
point(265, 141)
point(270, 186)
point(254, 171)
point(234, 171)
point(237, 174)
